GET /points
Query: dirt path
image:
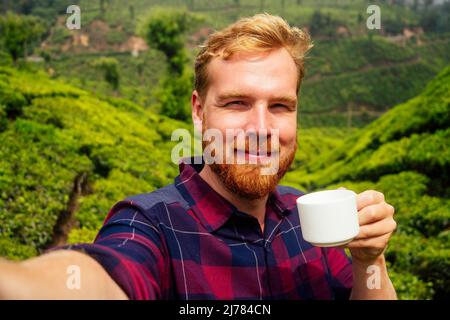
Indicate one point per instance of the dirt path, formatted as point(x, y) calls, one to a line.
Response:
point(66, 219)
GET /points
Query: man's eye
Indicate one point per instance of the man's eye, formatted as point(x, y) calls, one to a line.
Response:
point(279, 106)
point(234, 103)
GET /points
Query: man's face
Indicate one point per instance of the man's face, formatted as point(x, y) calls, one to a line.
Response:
point(256, 93)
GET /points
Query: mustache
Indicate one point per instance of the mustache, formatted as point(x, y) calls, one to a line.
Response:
point(265, 146)
point(258, 152)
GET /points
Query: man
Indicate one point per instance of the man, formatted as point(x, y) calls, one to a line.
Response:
point(223, 230)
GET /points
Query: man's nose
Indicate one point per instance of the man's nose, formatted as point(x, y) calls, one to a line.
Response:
point(259, 119)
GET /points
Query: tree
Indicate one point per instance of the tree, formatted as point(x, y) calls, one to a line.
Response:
point(436, 19)
point(48, 10)
point(19, 34)
point(131, 12)
point(360, 19)
point(103, 5)
point(321, 24)
point(102, 8)
point(110, 68)
point(315, 22)
point(173, 95)
point(24, 6)
point(164, 30)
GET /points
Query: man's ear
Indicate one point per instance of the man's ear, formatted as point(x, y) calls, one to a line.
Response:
point(197, 108)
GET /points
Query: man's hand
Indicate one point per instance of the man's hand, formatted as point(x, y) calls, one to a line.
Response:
point(376, 221)
point(45, 277)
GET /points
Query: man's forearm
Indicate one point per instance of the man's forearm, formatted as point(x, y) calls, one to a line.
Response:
point(57, 275)
point(371, 281)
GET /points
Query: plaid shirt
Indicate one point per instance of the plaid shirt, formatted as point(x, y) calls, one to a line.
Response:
point(185, 241)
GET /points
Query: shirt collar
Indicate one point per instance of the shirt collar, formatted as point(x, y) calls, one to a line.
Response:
point(209, 206)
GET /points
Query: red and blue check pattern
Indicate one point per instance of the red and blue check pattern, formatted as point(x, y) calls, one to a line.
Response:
point(185, 241)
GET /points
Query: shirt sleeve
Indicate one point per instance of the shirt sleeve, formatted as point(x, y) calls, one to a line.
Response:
point(340, 272)
point(129, 247)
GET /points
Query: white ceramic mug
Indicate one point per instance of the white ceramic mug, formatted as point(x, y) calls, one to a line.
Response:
point(328, 218)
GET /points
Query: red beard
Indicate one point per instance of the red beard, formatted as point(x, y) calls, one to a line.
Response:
point(246, 180)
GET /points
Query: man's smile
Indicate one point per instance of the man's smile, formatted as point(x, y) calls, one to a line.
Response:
point(256, 156)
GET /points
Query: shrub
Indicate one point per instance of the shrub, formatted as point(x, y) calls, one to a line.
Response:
point(15, 251)
point(173, 96)
point(62, 133)
point(20, 32)
point(322, 24)
point(410, 287)
point(5, 58)
point(165, 30)
point(82, 235)
point(3, 118)
point(434, 267)
point(12, 100)
point(116, 37)
point(110, 68)
point(405, 155)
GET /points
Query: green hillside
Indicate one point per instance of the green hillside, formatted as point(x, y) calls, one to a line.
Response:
point(406, 155)
point(372, 75)
point(364, 74)
point(223, 12)
point(138, 76)
point(372, 81)
point(65, 152)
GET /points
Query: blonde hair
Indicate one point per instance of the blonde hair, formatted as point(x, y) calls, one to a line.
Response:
point(262, 32)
